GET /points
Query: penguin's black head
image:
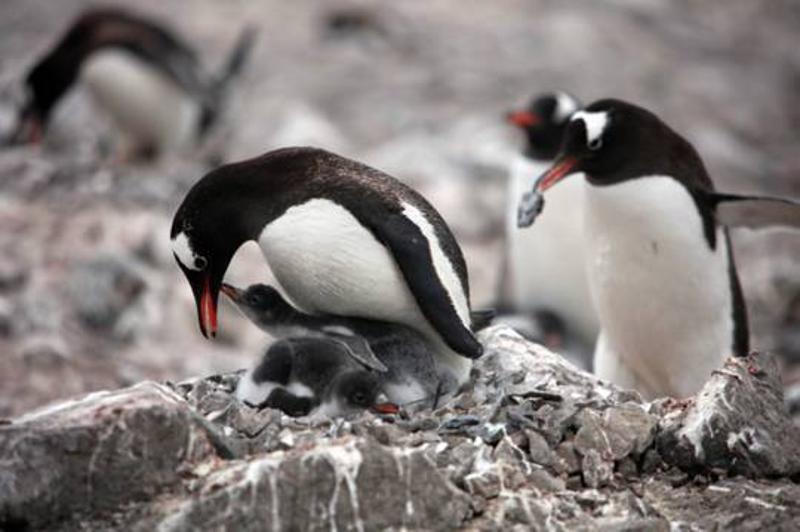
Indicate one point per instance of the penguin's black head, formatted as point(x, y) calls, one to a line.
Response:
point(261, 303)
point(54, 74)
point(46, 83)
point(226, 208)
point(544, 121)
point(204, 240)
point(612, 141)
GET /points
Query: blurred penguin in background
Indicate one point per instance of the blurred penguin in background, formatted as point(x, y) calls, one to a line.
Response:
point(141, 74)
point(544, 275)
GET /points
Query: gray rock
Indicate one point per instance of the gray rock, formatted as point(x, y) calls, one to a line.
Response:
point(569, 461)
point(597, 471)
point(96, 453)
point(737, 423)
point(538, 450)
point(629, 429)
point(343, 486)
point(104, 289)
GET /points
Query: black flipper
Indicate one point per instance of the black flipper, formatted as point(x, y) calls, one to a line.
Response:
point(411, 250)
point(358, 348)
point(756, 212)
point(482, 318)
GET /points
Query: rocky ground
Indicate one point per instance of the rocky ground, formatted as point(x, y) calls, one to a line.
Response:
point(534, 443)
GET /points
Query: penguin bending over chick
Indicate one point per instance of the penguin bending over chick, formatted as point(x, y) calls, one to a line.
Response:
point(302, 376)
point(661, 268)
point(400, 356)
point(144, 76)
point(544, 269)
point(340, 237)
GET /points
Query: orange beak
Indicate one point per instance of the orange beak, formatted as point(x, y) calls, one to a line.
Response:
point(560, 169)
point(208, 310)
point(386, 408)
point(522, 118)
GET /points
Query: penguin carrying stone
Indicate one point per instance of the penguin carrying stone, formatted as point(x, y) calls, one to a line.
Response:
point(398, 355)
point(341, 239)
point(148, 80)
point(660, 265)
point(543, 273)
point(312, 376)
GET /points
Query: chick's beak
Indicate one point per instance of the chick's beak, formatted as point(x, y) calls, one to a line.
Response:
point(233, 293)
point(383, 406)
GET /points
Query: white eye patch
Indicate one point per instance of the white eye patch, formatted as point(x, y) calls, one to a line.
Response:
point(595, 125)
point(565, 106)
point(183, 250)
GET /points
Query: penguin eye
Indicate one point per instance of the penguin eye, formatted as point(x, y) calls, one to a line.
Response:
point(596, 144)
point(359, 398)
point(200, 263)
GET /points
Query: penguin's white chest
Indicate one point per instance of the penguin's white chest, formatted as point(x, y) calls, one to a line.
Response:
point(144, 104)
point(662, 294)
point(328, 262)
point(546, 260)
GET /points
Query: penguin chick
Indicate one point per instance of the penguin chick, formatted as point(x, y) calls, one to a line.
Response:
point(302, 376)
point(409, 373)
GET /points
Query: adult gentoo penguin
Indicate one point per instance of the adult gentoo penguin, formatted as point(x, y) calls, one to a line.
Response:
point(661, 269)
point(340, 237)
point(544, 265)
point(145, 77)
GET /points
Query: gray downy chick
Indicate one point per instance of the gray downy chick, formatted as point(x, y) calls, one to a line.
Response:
point(409, 374)
point(302, 376)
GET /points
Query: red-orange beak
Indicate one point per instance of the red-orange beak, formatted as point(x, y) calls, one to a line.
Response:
point(522, 118)
point(386, 408)
point(560, 169)
point(207, 309)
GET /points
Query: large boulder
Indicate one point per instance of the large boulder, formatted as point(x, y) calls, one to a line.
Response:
point(99, 452)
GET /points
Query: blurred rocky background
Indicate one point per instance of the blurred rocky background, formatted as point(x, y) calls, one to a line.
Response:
point(90, 296)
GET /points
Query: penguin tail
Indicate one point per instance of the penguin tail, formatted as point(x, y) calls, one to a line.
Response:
point(482, 318)
point(230, 70)
point(237, 58)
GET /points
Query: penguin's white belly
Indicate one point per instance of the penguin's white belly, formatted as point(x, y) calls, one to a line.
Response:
point(328, 262)
point(144, 104)
point(662, 294)
point(546, 260)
